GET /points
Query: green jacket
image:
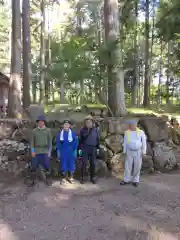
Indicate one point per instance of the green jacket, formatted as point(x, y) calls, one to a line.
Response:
point(41, 141)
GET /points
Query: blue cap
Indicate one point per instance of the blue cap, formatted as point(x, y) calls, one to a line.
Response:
point(41, 118)
point(131, 121)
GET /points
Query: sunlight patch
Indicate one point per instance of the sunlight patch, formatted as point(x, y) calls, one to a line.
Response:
point(6, 233)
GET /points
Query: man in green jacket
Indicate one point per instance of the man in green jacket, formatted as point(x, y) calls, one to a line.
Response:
point(41, 145)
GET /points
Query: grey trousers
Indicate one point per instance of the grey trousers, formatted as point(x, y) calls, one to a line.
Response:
point(133, 158)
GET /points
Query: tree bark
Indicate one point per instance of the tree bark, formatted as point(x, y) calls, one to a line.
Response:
point(135, 82)
point(168, 74)
point(34, 89)
point(26, 54)
point(47, 64)
point(79, 34)
point(42, 54)
point(116, 98)
point(52, 91)
point(62, 93)
point(160, 75)
point(151, 49)
point(146, 74)
point(14, 97)
point(47, 60)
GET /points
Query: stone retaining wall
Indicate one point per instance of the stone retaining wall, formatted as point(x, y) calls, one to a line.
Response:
point(162, 141)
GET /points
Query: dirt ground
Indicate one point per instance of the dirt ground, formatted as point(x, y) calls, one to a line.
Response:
point(93, 212)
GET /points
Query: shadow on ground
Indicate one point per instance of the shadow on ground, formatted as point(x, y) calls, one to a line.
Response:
point(93, 212)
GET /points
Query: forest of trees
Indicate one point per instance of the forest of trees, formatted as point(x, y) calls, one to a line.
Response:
point(117, 53)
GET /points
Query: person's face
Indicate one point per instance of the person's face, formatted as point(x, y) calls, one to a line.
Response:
point(66, 126)
point(89, 123)
point(132, 126)
point(41, 124)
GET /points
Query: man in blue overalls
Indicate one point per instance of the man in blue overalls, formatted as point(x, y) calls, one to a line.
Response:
point(89, 144)
point(67, 150)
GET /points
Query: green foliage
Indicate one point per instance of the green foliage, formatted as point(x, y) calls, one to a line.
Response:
point(169, 19)
point(71, 60)
point(35, 24)
point(4, 37)
point(79, 55)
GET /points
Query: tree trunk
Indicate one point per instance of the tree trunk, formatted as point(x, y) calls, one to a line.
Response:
point(47, 64)
point(42, 54)
point(168, 74)
point(135, 82)
point(48, 60)
point(160, 75)
point(79, 33)
point(14, 98)
point(52, 91)
point(146, 74)
point(151, 50)
point(34, 89)
point(82, 91)
point(62, 93)
point(26, 54)
point(116, 98)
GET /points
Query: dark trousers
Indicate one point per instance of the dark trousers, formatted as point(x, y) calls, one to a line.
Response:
point(40, 159)
point(88, 154)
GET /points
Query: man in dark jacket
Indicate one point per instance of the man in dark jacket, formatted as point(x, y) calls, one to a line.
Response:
point(89, 144)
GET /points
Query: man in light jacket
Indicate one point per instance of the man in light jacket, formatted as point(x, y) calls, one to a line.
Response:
point(134, 147)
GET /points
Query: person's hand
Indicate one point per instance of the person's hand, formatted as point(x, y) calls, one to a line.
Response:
point(98, 151)
point(49, 154)
point(80, 152)
point(58, 154)
point(33, 154)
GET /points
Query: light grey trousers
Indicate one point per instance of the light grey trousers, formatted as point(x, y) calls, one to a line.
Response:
point(133, 158)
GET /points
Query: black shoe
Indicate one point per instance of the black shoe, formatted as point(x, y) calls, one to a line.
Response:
point(62, 181)
point(32, 179)
point(82, 181)
point(123, 183)
point(93, 181)
point(29, 182)
point(48, 182)
point(71, 180)
point(135, 184)
point(67, 178)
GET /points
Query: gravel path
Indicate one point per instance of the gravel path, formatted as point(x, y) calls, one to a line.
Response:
point(93, 212)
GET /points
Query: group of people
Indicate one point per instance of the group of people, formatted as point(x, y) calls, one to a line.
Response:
point(69, 146)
